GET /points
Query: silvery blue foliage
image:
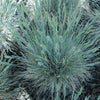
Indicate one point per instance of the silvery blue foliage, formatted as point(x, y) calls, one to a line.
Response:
point(58, 48)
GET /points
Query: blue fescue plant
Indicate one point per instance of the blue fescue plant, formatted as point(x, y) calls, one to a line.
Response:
point(58, 47)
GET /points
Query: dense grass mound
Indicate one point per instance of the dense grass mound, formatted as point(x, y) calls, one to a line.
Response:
point(53, 51)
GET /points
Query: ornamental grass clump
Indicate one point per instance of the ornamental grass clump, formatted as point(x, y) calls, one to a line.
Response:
point(57, 46)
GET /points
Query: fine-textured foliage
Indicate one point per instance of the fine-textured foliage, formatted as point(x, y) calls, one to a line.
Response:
point(94, 4)
point(58, 48)
point(4, 86)
point(7, 15)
